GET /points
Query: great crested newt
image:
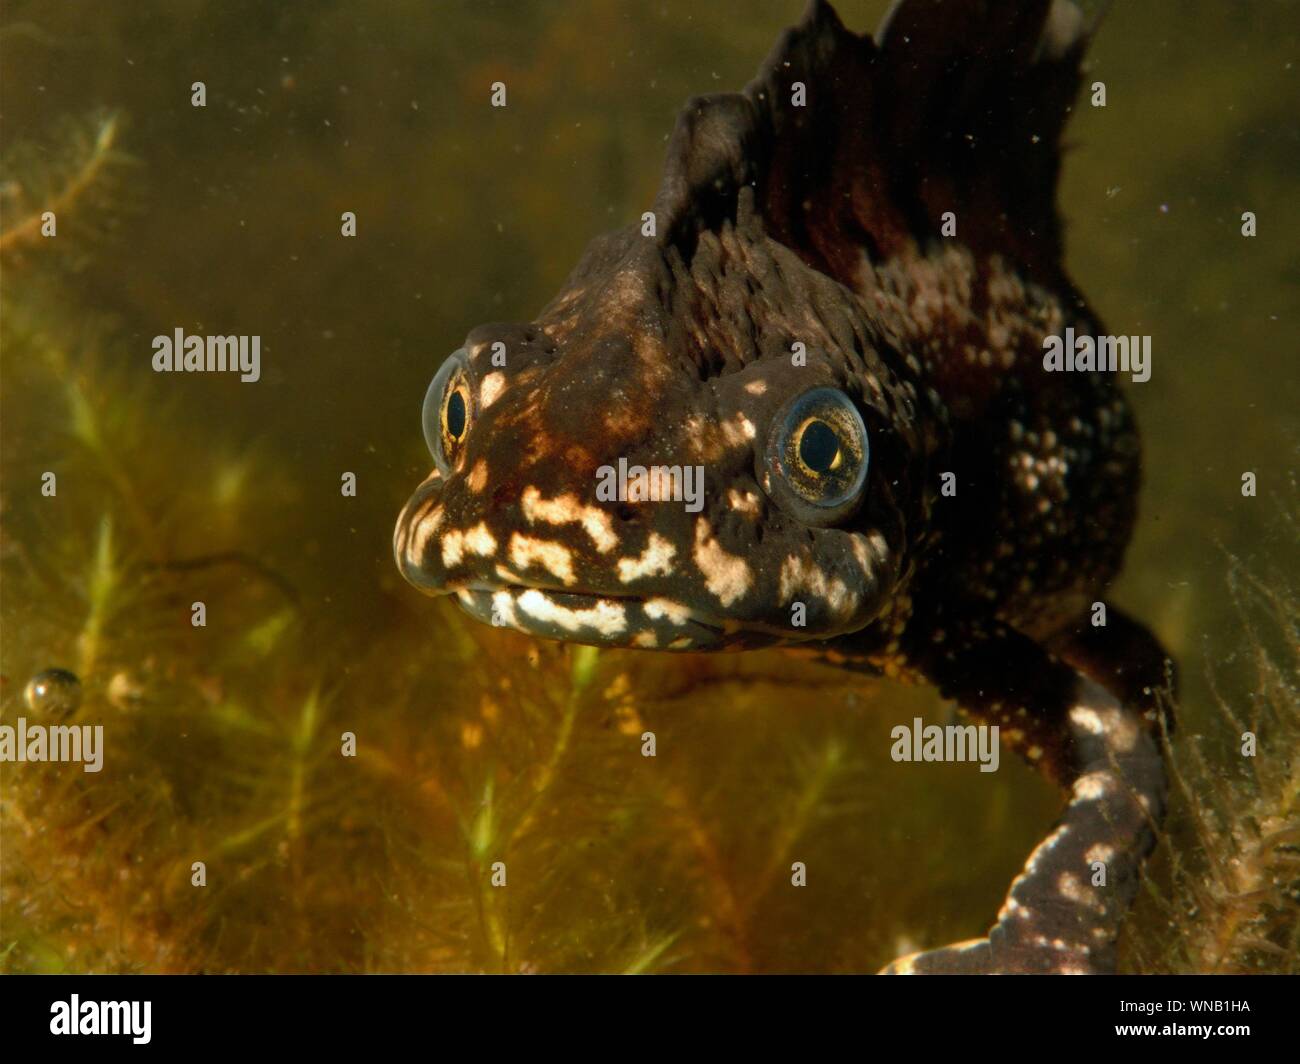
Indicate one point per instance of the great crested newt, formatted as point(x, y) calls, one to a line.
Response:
point(835, 316)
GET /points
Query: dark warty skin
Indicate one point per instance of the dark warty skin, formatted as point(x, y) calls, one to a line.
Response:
point(956, 514)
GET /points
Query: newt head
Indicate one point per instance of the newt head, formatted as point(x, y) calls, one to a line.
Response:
point(673, 456)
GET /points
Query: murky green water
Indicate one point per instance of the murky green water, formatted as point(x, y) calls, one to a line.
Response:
point(477, 745)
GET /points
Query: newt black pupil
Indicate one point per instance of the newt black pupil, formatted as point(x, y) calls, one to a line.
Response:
point(818, 446)
point(456, 415)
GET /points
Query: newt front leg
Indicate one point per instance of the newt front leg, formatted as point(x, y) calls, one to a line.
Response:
point(1063, 912)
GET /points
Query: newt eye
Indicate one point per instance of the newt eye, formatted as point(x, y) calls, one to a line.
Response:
point(448, 411)
point(820, 451)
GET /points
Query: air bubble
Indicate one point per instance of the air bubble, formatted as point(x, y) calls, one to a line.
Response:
point(55, 692)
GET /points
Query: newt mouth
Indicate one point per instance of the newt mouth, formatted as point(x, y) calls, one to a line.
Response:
point(594, 619)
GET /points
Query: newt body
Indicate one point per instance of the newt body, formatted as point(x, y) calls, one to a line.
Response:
point(839, 320)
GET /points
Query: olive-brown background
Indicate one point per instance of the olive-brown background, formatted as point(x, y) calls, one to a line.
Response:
point(479, 745)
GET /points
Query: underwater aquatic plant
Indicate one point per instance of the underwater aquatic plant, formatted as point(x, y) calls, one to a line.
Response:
point(1227, 899)
point(80, 176)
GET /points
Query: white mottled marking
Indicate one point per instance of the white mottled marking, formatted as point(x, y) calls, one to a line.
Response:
point(491, 388)
point(477, 540)
point(1099, 852)
point(655, 560)
point(424, 531)
point(744, 502)
point(1091, 787)
point(566, 509)
point(801, 575)
point(727, 576)
point(1087, 719)
point(738, 430)
point(666, 609)
point(1068, 886)
point(711, 441)
point(606, 617)
point(555, 558)
point(477, 479)
point(503, 606)
point(1011, 907)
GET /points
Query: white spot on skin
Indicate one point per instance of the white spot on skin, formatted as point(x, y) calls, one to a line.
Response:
point(801, 575)
point(1099, 852)
point(1119, 728)
point(606, 617)
point(565, 510)
point(1060, 945)
point(1091, 787)
point(756, 387)
point(477, 479)
point(503, 606)
point(655, 560)
point(1011, 907)
point(645, 640)
point(737, 431)
point(860, 553)
point(477, 540)
point(1087, 719)
point(555, 558)
point(743, 502)
point(710, 440)
point(1068, 886)
point(424, 531)
point(658, 609)
point(727, 576)
point(491, 388)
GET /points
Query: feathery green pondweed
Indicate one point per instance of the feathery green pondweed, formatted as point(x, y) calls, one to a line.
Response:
point(1227, 898)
